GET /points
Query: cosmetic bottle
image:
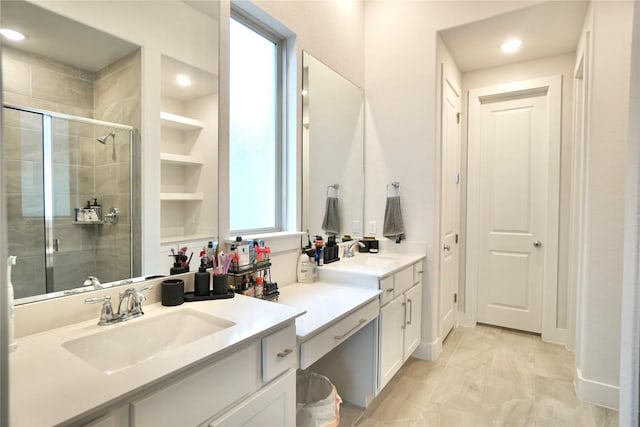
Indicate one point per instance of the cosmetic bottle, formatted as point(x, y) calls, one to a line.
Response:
point(97, 208)
point(202, 280)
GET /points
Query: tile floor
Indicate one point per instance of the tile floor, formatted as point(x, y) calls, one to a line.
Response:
point(486, 376)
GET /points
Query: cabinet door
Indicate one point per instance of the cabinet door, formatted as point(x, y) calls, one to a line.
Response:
point(272, 406)
point(413, 320)
point(391, 339)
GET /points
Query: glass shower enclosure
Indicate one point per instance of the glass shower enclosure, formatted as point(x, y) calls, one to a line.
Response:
point(55, 166)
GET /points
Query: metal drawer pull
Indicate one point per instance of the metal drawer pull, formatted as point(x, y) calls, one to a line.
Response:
point(339, 337)
point(410, 311)
point(390, 290)
point(404, 319)
point(285, 353)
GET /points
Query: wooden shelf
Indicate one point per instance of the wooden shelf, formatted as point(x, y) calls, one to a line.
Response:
point(180, 122)
point(180, 160)
point(181, 196)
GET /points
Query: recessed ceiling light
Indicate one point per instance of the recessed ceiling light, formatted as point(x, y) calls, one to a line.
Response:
point(183, 80)
point(12, 34)
point(511, 46)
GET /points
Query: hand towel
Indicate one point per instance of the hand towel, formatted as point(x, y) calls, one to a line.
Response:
point(331, 221)
point(393, 224)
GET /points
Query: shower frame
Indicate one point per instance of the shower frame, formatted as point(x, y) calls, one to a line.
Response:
point(50, 245)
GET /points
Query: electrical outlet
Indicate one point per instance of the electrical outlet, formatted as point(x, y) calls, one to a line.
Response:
point(373, 227)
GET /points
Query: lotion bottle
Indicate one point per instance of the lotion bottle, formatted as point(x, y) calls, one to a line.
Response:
point(13, 344)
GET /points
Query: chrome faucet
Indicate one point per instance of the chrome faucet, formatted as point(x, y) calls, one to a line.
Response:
point(348, 248)
point(129, 307)
point(92, 281)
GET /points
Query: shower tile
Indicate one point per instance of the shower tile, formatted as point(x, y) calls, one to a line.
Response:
point(28, 276)
point(16, 76)
point(112, 267)
point(26, 101)
point(61, 88)
point(21, 208)
point(26, 240)
point(46, 64)
point(87, 151)
point(85, 179)
point(103, 153)
point(105, 89)
point(64, 149)
point(72, 268)
point(20, 119)
point(105, 179)
point(69, 237)
point(22, 144)
point(123, 183)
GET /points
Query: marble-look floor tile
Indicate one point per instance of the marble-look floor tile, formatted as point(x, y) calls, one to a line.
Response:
point(487, 376)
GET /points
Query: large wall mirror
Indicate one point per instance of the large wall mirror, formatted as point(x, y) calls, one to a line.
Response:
point(73, 142)
point(333, 151)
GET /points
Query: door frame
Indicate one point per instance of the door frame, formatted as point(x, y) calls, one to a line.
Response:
point(552, 86)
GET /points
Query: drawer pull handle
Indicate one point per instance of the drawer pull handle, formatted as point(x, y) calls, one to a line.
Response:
point(410, 311)
point(339, 337)
point(285, 353)
point(390, 290)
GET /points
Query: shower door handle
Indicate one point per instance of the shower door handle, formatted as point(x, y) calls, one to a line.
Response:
point(56, 245)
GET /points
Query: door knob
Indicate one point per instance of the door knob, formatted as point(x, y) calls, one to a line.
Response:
point(537, 243)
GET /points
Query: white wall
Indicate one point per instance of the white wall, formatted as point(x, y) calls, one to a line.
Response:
point(400, 122)
point(598, 333)
point(551, 66)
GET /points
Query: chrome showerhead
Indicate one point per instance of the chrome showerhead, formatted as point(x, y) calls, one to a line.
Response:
point(103, 138)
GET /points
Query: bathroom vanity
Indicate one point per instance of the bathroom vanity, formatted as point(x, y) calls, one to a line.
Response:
point(363, 321)
point(214, 363)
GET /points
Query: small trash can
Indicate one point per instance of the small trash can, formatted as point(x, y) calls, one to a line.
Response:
point(318, 402)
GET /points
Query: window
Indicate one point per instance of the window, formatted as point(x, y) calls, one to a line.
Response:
point(255, 129)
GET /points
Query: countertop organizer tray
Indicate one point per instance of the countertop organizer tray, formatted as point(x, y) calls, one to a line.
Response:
point(189, 296)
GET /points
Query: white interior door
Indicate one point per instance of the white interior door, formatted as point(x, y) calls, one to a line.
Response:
point(450, 207)
point(512, 215)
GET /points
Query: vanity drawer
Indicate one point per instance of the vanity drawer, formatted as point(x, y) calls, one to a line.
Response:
point(403, 280)
point(334, 335)
point(201, 395)
point(418, 269)
point(279, 353)
point(386, 285)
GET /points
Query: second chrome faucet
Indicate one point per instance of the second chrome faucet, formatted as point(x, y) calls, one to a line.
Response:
point(129, 306)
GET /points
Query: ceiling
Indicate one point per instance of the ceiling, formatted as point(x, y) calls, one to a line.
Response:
point(77, 45)
point(547, 29)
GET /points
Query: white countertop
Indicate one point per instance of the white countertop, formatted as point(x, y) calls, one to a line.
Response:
point(366, 269)
point(324, 304)
point(50, 385)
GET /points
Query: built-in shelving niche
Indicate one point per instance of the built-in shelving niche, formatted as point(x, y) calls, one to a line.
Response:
point(188, 155)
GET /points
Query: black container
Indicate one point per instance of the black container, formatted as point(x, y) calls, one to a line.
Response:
point(220, 284)
point(330, 254)
point(177, 269)
point(201, 282)
point(172, 292)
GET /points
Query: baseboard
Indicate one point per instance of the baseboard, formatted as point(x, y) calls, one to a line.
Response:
point(428, 350)
point(595, 392)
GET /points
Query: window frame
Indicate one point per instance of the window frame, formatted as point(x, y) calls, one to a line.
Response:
point(279, 163)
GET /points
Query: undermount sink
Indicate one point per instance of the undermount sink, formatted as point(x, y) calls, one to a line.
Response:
point(371, 260)
point(126, 344)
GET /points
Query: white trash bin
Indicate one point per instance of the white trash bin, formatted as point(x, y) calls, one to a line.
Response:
point(318, 402)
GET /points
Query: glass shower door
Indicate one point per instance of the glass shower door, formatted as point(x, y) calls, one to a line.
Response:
point(23, 160)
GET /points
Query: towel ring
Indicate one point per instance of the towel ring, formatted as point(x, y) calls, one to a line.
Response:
point(335, 187)
point(395, 186)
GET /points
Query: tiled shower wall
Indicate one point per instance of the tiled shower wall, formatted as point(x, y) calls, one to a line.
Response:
point(82, 168)
point(117, 99)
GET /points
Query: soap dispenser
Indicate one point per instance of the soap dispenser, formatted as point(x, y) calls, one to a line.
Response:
point(306, 269)
point(202, 280)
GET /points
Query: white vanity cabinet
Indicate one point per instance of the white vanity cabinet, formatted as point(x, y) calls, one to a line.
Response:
point(254, 385)
point(400, 320)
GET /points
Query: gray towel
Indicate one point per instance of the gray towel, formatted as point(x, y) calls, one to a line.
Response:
point(393, 224)
point(331, 221)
